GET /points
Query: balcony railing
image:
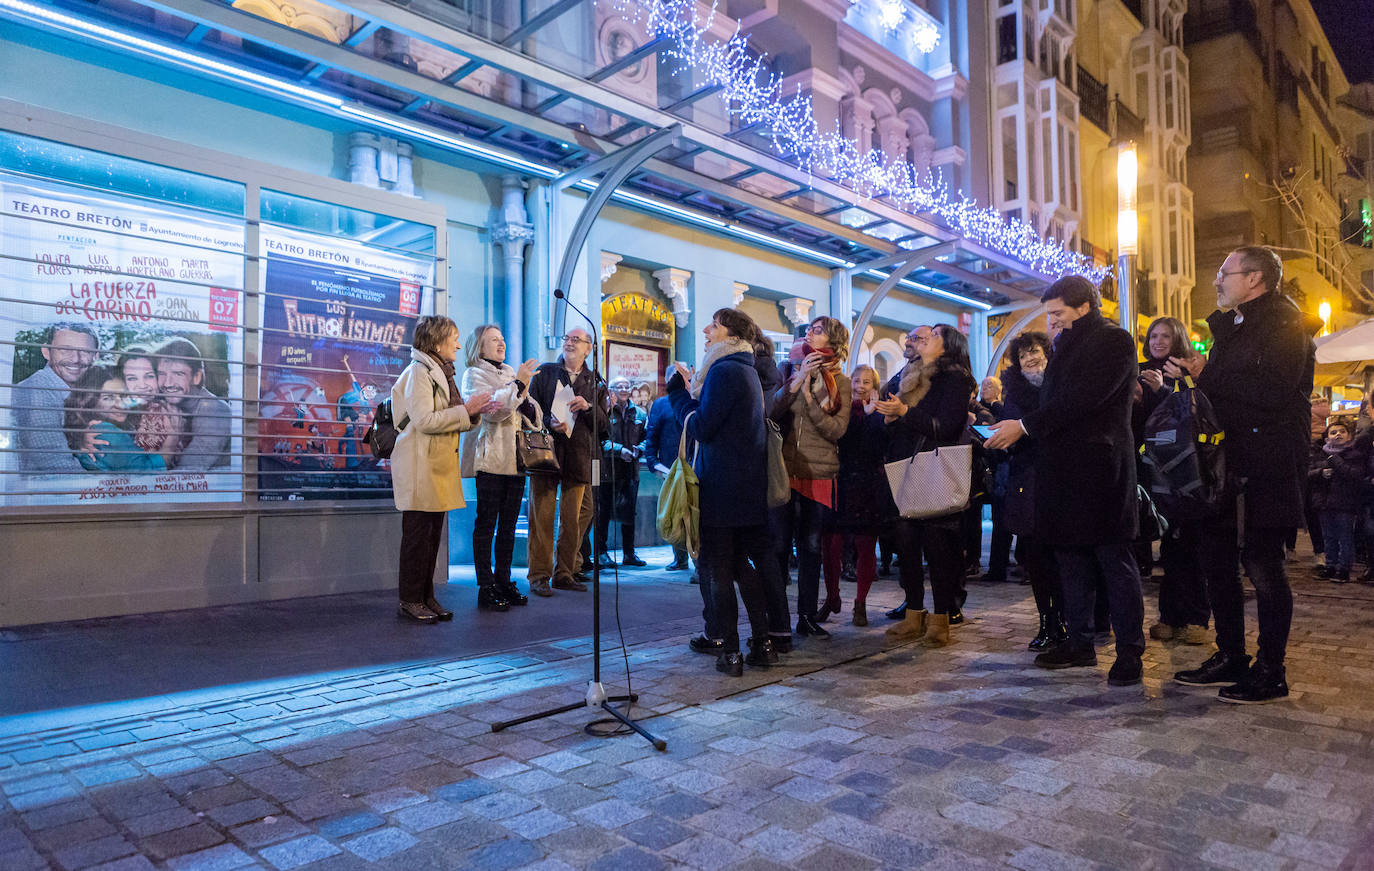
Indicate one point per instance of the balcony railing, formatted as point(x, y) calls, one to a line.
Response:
point(1127, 125)
point(1092, 100)
point(1220, 19)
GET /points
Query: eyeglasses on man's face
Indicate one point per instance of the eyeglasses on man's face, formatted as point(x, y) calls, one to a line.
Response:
point(574, 338)
point(1222, 273)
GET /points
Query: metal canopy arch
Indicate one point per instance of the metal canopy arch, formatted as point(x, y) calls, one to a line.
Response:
point(1016, 281)
point(1035, 310)
point(617, 166)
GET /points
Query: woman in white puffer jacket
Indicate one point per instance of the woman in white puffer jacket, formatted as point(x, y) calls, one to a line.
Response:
point(489, 455)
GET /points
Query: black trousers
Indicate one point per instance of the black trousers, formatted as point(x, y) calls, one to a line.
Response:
point(941, 541)
point(802, 518)
point(498, 507)
point(971, 527)
point(624, 490)
point(999, 553)
point(1037, 560)
point(1262, 555)
point(1183, 591)
point(1080, 571)
point(421, 533)
point(726, 552)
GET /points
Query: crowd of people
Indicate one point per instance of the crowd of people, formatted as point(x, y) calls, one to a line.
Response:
point(1057, 439)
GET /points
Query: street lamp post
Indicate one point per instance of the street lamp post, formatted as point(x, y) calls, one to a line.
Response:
point(1127, 229)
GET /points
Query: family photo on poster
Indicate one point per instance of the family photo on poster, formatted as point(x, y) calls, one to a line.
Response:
point(118, 339)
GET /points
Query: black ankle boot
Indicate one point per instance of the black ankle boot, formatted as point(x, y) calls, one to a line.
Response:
point(489, 598)
point(511, 593)
point(1044, 639)
point(761, 653)
point(808, 626)
point(898, 613)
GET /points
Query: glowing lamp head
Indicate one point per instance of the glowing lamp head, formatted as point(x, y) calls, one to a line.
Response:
point(1127, 227)
point(1324, 311)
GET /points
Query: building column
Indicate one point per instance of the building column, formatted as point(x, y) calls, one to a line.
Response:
point(512, 231)
point(673, 283)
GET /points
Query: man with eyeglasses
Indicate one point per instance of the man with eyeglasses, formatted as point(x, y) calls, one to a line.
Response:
point(68, 350)
point(1258, 377)
point(574, 447)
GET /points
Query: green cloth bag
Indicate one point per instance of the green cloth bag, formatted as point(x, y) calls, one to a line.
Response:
point(679, 505)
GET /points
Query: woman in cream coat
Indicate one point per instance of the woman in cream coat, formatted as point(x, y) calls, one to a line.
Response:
point(489, 455)
point(430, 413)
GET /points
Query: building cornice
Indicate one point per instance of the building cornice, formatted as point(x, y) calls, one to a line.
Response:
point(881, 60)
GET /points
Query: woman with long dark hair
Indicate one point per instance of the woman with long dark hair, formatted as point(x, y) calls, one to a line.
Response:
point(930, 410)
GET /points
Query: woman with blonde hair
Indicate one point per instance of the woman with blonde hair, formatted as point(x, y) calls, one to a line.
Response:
point(489, 456)
point(812, 407)
point(429, 413)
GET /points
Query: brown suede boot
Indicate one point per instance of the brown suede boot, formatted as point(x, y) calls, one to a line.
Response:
point(912, 627)
point(937, 631)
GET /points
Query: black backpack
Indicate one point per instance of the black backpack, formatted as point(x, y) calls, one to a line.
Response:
point(382, 434)
point(1183, 451)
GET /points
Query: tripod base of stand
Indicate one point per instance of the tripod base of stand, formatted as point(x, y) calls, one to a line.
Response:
point(596, 697)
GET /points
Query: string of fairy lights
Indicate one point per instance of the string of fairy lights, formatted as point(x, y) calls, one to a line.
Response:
point(754, 97)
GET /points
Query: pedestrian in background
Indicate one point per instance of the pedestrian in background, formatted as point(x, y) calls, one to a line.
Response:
point(622, 445)
point(489, 456)
point(426, 485)
point(662, 435)
point(1337, 480)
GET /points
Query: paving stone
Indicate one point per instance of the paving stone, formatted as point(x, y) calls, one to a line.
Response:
point(419, 817)
point(225, 857)
point(611, 813)
point(178, 842)
point(375, 846)
point(301, 851)
point(269, 830)
point(94, 852)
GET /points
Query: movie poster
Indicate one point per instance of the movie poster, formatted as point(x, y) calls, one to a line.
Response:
point(337, 324)
point(120, 347)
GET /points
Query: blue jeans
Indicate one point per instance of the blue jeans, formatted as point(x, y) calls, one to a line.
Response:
point(1338, 534)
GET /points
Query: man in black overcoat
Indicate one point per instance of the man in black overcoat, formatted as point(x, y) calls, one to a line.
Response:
point(1085, 498)
point(1258, 377)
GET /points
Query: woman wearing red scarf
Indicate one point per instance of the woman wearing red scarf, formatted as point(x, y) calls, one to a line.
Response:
point(812, 407)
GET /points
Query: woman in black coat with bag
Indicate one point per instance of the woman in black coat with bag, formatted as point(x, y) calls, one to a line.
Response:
point(725, 404)
point(1030, 354)
point(930, 410)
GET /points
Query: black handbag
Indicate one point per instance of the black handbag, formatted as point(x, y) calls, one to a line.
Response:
point(534, 454)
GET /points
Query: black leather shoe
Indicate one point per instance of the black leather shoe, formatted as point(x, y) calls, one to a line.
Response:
point(1067, 655)
point(898, 613)
point(511, 593)
point(570, 584)
point(1220, 669)
point(582, 577)
point(761, 653)
point(416, 611)
point(1125, 672)
point(808, 626)
point(489, 598)
point(606, 561)
point(677, 566)
point(633, 561)
point(826, 610)
point(439, 610)
point(702, 644)
point(1262, 684)
point(731, 664)
point(956, 617)
point(781, 643)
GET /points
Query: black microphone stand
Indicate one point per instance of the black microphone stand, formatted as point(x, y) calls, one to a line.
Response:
point(596, 693)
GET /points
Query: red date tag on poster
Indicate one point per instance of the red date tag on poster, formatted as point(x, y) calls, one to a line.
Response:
point(224, 310)
point(410, 299)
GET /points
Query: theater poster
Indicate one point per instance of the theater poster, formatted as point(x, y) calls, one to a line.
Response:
point(338, 318)
point(121, 336)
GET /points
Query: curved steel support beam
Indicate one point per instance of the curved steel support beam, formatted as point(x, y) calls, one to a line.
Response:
point(917, 259)
point(996, 356)
point(617, 168)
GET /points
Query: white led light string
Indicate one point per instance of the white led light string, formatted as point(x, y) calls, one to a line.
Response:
point(753, 96)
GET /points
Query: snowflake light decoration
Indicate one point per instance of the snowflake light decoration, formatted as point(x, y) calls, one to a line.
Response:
point(753, 97)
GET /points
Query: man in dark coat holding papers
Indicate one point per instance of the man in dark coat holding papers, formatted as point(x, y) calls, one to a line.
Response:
point(1085, 475)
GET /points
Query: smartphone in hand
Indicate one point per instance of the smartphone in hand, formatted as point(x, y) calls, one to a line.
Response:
point(986, 432)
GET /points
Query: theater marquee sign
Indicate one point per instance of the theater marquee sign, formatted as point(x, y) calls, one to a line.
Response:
point(638, 332)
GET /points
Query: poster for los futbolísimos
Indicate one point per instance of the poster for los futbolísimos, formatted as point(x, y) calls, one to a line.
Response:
point(338, 318)
point(120, 341)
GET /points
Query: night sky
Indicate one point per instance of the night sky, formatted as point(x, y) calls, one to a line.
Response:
point(1349, 25)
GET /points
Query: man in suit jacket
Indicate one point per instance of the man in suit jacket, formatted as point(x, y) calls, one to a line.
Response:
point(1085, 505)
point(38, 401)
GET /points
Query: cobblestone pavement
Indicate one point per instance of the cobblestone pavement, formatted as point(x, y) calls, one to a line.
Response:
point(850, 756)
